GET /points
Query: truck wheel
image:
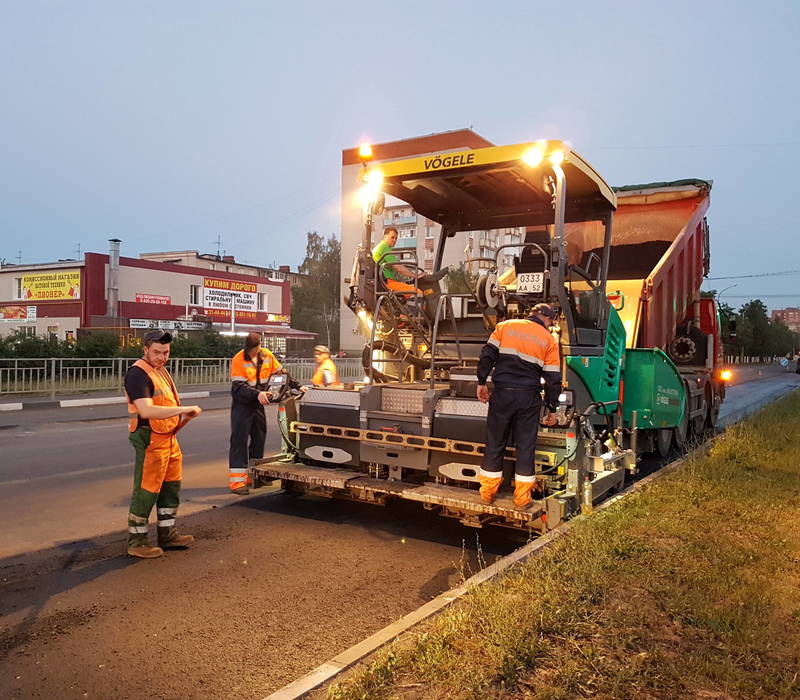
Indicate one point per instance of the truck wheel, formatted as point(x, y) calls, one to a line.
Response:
point(681, 432)
point(664, 441)
point(688, 348)
point(713, 400)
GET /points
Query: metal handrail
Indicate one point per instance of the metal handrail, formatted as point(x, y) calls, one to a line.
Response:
point(378, 269)
point(435, 334)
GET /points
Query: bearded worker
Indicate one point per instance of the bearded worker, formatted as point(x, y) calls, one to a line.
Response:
point(156, 417)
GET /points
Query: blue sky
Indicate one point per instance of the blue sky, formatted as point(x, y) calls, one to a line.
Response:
point(167, 124)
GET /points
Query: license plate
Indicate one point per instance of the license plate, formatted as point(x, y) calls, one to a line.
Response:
point(531, 282)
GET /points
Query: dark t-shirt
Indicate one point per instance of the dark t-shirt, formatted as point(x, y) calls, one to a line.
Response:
point(139, 386)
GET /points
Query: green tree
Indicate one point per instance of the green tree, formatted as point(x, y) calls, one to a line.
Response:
point(101, 344)
point(753, 328)
point(316, 302)
point(460, 280)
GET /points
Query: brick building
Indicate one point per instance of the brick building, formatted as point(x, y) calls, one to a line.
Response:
point(130, 295)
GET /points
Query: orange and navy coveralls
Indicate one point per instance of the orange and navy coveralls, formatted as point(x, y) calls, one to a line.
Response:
point(326, 374)
point(159, 462)
point(248, 421)
point(522, 352)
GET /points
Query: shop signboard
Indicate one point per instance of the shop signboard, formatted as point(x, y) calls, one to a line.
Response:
point(53, 285)
point(152, 299)
point(218, 296)
point(17, 313)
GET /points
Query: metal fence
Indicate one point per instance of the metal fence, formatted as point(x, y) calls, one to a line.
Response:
point(63, 375)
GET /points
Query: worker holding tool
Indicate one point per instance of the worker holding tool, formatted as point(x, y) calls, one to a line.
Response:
point(251, 369)
point(325, 374)
point(522, 353)
point(156, 417)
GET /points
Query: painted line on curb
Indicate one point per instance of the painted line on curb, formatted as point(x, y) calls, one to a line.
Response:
point(348, 658)
point(10, 406)
point(106, 400)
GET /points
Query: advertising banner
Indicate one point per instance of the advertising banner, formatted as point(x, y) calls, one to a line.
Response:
point(167, 325)
point(54, 285)
point(17, 313)
point(152, 299)
point(218, 295)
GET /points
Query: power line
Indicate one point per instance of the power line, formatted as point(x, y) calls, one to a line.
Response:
point(760, 274)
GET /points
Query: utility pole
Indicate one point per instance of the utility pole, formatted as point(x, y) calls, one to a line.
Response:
point(78, 251)
point(219, 245)
point(19, 257)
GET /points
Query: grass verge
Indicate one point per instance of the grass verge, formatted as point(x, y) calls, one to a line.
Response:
point(689, 588)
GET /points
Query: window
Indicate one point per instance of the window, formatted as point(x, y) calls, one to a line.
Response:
point(27, 331)
point(18, 288)
point(261, 301)
point(428, 232)
point(428, 265)
point(194, 294)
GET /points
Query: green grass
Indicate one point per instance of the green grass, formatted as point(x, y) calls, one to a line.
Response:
point(690, 588)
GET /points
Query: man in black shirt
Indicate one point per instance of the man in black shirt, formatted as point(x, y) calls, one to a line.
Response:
point(156, 417)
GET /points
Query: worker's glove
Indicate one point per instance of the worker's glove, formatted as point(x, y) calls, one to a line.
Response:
point(550, 419)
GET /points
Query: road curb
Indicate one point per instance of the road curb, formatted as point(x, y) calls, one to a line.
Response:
point(348, 658)
point(100, 401)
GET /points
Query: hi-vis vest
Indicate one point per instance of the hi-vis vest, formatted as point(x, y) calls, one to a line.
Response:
point(164, 394)
point(325, 374)
point(243, 369)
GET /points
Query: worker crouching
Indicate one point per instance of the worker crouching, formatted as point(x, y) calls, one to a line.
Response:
point(522, 353)
point(325, 373)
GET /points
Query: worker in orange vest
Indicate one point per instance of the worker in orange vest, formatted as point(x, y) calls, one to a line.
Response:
point(525, 359)
point(156, 416)
point(325, 374)
point(251, 369)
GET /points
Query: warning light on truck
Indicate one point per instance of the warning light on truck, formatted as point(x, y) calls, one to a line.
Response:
point(725, 375)
point(533, 156)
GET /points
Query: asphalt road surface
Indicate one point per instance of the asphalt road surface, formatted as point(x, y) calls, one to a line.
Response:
point(273, 587)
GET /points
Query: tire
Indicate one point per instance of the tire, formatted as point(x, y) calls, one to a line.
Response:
point(688, 348)
point(664, 438)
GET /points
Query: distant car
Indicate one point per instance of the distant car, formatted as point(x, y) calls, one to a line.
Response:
point(797, 369)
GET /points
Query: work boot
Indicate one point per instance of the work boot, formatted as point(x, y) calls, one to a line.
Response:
point(489, 488)
point(175, 541)
point(522, 494)
point(243, 491)
point(145, 551)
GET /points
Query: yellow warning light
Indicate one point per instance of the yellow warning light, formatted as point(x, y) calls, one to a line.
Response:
point(533, 156)
point(375, 178)
point(365, 151)
point(726, 375)
point(364, 317)
point(557, 158)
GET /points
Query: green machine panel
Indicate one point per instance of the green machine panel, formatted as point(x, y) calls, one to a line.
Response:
point(654, 388)
point(601, 374)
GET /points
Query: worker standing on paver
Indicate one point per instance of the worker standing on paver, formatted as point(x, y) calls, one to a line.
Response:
point(156, 417)
point(326, 373)
point(522, 352)
point(251, 369)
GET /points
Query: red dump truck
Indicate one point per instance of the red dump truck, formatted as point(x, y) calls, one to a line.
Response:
point(659, 256)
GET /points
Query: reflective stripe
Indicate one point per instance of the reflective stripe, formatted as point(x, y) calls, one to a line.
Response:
point(137, 530)
point(237, 479)
point(166, 511)
point(551, 368)
point(491, 475)
point(166, 523)
point(522, 356)
point(494, 342)
point(236, 471)
point(238, 379)
point(252, 382)
point(524, 478)
point(137, 518)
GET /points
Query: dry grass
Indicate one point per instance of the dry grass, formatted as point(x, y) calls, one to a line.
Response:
point(689, 589)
